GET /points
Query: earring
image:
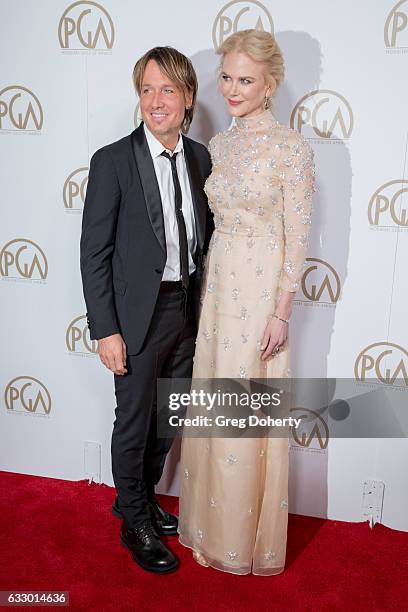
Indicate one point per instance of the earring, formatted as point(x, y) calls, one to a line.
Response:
point(266, 103)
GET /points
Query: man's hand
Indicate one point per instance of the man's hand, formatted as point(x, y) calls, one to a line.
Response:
point(112, 351)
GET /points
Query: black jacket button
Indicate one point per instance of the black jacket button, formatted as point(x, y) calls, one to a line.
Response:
point(158, 270)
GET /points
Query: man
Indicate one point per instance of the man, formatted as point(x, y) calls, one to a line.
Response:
point(145, 231)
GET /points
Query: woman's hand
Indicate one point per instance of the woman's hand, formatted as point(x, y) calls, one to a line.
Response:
point(276, 332)
point(275, 336)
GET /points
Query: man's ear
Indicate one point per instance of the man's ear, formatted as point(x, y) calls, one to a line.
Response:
point(188, 100)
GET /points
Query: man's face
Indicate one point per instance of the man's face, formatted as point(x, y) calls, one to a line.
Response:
point(162, 103)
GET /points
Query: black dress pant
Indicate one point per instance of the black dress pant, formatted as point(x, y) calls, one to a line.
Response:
point(138, 454)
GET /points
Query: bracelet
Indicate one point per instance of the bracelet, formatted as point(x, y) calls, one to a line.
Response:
point(280, 319)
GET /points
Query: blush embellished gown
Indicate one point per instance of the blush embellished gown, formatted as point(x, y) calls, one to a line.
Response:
point(234, 491)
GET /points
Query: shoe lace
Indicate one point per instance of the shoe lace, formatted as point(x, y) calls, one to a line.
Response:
point(145, 531)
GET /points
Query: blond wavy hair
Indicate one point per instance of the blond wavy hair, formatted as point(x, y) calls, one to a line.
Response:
point(261, 47)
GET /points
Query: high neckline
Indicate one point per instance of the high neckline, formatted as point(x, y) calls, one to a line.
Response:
point(264, 119)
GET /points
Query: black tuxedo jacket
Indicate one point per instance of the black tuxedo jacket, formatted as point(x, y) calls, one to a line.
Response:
point(123, 247)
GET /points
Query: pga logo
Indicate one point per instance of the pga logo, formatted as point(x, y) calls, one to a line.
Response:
point(86, 25)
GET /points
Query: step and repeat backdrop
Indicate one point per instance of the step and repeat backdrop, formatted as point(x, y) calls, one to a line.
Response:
point(66, 90)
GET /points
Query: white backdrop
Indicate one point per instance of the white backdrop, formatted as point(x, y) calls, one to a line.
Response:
point(66, 90)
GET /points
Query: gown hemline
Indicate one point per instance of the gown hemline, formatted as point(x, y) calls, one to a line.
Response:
point(266, 571)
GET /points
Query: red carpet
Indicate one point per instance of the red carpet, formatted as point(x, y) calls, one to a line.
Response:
point(59, 535)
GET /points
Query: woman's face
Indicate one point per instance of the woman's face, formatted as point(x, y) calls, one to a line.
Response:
point(242, 83)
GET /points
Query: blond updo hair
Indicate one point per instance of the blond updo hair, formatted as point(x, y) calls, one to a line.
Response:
point(261, 47)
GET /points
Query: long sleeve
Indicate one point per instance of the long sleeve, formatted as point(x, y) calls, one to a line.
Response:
point(298, 187)
point(97, 244)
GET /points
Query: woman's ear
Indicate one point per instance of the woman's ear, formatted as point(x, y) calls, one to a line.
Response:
point(271, 87)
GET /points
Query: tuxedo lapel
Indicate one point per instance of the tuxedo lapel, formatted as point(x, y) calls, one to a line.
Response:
point(199, 200)
point(150, 186)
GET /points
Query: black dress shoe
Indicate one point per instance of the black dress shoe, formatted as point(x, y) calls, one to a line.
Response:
point(147, 549)
point(164, 523)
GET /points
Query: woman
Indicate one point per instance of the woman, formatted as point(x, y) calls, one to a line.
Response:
point(233, 503)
